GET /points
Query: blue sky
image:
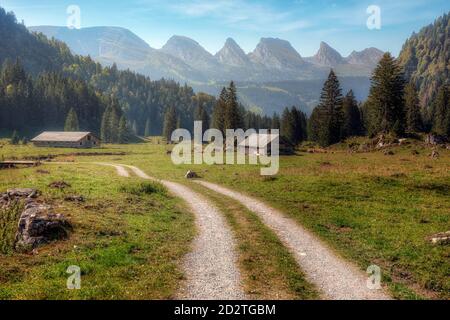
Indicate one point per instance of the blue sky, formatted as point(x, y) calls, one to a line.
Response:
point(304, 23)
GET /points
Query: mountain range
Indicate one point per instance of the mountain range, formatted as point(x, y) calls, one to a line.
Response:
point(185, 60)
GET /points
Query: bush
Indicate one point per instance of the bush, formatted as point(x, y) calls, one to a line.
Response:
point(144, 188)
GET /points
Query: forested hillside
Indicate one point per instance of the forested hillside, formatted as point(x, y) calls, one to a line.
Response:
point(426, 58)
point(53, 81)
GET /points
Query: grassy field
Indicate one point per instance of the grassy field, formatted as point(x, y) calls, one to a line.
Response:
point(128, 238)
point(370, 207)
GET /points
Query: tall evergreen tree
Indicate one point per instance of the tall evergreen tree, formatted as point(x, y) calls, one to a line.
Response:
point(202, 115)
point(105, 130)
point(123, 132)
point(288, 126)
point(352, 117)
point(441, 112)
point(218, 120)
point(233, 118)
point(414, 121)
point(71, 123)
point(170, 123)
point(328, 116)
point(275, 122)
point(385, 102)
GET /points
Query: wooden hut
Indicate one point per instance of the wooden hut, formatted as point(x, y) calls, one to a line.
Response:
point(66, 140)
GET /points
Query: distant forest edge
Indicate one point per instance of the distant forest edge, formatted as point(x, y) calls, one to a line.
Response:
point(44, 86)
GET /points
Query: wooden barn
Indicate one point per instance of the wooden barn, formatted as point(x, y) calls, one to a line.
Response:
point(66, 140)
point(253, 143)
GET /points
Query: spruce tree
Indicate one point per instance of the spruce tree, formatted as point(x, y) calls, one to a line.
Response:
point(314, 125)
point(275, 122)
point(71, 123)
point(328, 116)
point(114, 123)
point(352, 116)
point(105, 130)
point(233, 119)
point(441, 112)
point(288, 126)
point(218, 121)
point(124, 133)
point(412, 107)
point(202, 115)
point(385, 102)
point(170, 123)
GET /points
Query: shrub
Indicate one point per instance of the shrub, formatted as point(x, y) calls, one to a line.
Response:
point(144, 188)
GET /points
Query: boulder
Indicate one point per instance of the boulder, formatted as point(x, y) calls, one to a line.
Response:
point(191, 175)
point(22, 193)
point(442, 238)
point(38, 225)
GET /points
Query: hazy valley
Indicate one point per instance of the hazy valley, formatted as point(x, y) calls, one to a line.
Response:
point(270, 78)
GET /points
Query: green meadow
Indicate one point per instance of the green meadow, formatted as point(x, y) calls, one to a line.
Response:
point(130, 237)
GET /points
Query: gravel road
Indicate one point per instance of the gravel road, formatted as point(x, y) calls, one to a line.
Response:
point(336, 278)
point(211, 267)
point(121, 171)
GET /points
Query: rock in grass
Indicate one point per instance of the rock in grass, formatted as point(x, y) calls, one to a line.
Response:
point(434, 155)
point(442, 238)
point(59, 185)
point(191, 175)
point(37, 222)
point(74, 199)
point(22, 193)
point(38, 225)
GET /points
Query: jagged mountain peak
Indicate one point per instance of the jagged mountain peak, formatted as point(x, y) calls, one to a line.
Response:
point(327, 56)
point(233, 55)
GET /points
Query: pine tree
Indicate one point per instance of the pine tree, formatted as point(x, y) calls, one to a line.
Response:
point(414, 121)
point(71, 123)
point(314, 125)
point(233, 118)
point(441, 112)
point(170, 123)
point(202, 115)
point(275, 122)
point(114, 123)
point(352, 117)
point(304, 126)
point(105, 130)
point(147, 131)
point(288, 126)
point(218, 121)
point(385, 102)
point(124, 133)
point(328, 116)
